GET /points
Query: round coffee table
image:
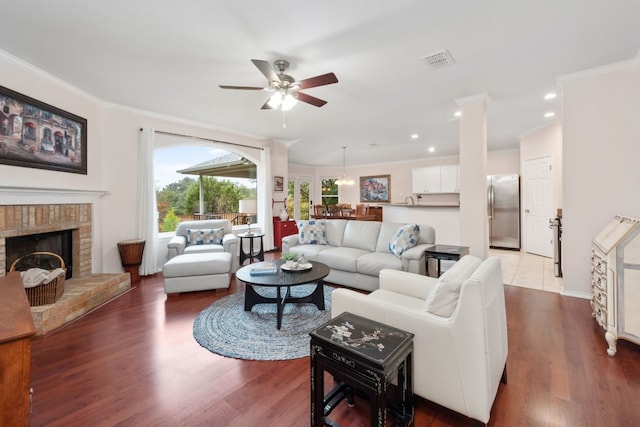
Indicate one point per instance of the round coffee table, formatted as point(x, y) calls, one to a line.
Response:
point(283, 281)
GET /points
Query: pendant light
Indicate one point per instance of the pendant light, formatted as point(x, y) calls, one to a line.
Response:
point(344, 180)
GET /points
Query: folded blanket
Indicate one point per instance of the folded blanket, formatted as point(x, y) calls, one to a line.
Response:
point(37, 276)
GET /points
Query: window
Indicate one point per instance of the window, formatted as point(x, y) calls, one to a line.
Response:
point(329, 191)
point(178, 194)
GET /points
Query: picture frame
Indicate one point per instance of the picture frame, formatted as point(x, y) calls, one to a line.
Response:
point(376, 188)
point(278, 183)
point(37, 135)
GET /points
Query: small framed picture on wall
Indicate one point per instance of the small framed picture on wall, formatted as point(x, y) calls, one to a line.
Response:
point(278, 183)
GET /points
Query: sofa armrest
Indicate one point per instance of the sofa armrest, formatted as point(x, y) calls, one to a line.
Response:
point(289, 241)
point(176, 246)
point(415, 253)
point(411, 284)
point(230, 243)
point(357, 303)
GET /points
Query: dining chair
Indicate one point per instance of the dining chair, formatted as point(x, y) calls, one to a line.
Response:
point(319, 211)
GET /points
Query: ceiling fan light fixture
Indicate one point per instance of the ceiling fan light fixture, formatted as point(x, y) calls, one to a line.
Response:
point(288, 102)
point(275, 100)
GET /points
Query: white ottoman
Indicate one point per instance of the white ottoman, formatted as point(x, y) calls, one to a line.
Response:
point(197, 272)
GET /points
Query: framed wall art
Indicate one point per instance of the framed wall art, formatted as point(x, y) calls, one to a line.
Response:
point(375, 188)
point(38, 135)
point(278, 183)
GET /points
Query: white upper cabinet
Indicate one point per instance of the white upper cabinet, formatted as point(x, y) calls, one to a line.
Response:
point(419, 180)
point(435, 179)
point(449, 179)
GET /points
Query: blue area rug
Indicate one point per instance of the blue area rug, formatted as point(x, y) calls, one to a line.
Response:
point(226, 329)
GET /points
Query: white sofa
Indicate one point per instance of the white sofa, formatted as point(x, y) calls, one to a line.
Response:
point(460, 359)
point(356, 251)
point(180, 243)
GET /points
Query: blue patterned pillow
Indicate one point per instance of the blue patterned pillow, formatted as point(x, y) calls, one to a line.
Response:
point(312, 232)
point(406, 237)
point(212, 236)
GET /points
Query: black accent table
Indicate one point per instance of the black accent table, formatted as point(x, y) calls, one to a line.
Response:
point(283, 281)
point(254, 253)
point(444, 252)
point(364, 357)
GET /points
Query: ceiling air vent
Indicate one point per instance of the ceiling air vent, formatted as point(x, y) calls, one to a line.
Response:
point(438, 59)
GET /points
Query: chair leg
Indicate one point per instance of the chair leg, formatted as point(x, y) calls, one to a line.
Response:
point(503, 379)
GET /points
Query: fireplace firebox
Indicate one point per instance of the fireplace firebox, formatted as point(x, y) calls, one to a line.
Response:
point(58, 242)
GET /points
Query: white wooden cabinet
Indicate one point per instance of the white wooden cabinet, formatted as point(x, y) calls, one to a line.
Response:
point(419, 180)
point(615, 272)
point(449, 179)
point(435, 179)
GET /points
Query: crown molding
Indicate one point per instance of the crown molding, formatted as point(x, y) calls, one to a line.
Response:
point(473, 99)
point(598, 71)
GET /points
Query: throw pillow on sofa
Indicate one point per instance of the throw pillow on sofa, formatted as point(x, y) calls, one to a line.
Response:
point(443, 298)
point(406, 237)
point(205, 236)
point(312, 232)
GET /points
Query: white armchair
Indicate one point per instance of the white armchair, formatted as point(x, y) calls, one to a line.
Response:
point(180, 243)
point(459, 360)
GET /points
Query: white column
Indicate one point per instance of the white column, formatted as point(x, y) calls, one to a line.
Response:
point(474, 226)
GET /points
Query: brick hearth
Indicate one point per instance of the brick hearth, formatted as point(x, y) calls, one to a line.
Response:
point(84, 291)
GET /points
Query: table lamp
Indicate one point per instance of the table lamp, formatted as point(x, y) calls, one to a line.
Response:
point(248, 207)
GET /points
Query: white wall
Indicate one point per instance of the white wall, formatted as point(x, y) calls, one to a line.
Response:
point(601, 153)
point(113, 133)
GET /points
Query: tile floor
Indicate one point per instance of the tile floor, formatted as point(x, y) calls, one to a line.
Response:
point(528, 270)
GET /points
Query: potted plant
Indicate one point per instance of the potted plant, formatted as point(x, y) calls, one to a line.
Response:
point(290, 258)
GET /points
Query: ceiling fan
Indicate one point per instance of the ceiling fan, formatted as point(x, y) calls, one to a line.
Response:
point(286, 88)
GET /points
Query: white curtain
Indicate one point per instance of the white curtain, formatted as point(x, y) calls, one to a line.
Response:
point(265, 199)
point(147, 206)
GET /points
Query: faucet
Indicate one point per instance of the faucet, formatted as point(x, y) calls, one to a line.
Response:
point(411, 198)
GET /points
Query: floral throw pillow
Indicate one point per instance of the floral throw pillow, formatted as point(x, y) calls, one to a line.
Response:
point(406, 237)
point(312, 232)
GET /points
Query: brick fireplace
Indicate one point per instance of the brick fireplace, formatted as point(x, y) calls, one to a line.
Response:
point(84, 291)
point(24, 220)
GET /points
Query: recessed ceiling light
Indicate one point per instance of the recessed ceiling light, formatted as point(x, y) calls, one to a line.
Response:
point(415, 136)
point(549, 114)
point(432, 149)
point(550, 95)
point(457, 114)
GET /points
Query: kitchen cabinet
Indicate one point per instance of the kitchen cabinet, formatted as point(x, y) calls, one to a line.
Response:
point(435, 179)
point(449, 179)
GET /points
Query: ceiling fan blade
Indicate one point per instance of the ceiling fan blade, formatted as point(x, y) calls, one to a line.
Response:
point(266, 69)
point(310, 99)
point(241, 87)
point(325, 79)
point(266, 105)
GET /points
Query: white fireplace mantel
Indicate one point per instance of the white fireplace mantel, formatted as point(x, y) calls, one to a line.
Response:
point(31, 195)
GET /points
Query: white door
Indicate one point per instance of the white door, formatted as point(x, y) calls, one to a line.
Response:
point(538, 206)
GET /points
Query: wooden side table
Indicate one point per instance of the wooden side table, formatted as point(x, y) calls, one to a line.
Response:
point(364, 357)
point(254, 253)
point(444, 252)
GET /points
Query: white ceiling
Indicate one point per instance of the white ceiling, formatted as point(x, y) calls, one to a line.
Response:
point(170, 56)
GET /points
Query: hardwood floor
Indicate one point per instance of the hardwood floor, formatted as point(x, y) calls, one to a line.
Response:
point(134, 362)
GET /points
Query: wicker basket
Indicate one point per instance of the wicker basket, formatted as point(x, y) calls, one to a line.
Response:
point(46, 293)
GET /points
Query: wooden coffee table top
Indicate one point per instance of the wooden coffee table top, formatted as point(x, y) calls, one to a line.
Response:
point(317, 272)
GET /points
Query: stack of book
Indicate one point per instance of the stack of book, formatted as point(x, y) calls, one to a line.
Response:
point(263, 269)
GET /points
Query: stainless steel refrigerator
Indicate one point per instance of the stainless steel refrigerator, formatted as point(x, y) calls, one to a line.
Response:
point(503, 197)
